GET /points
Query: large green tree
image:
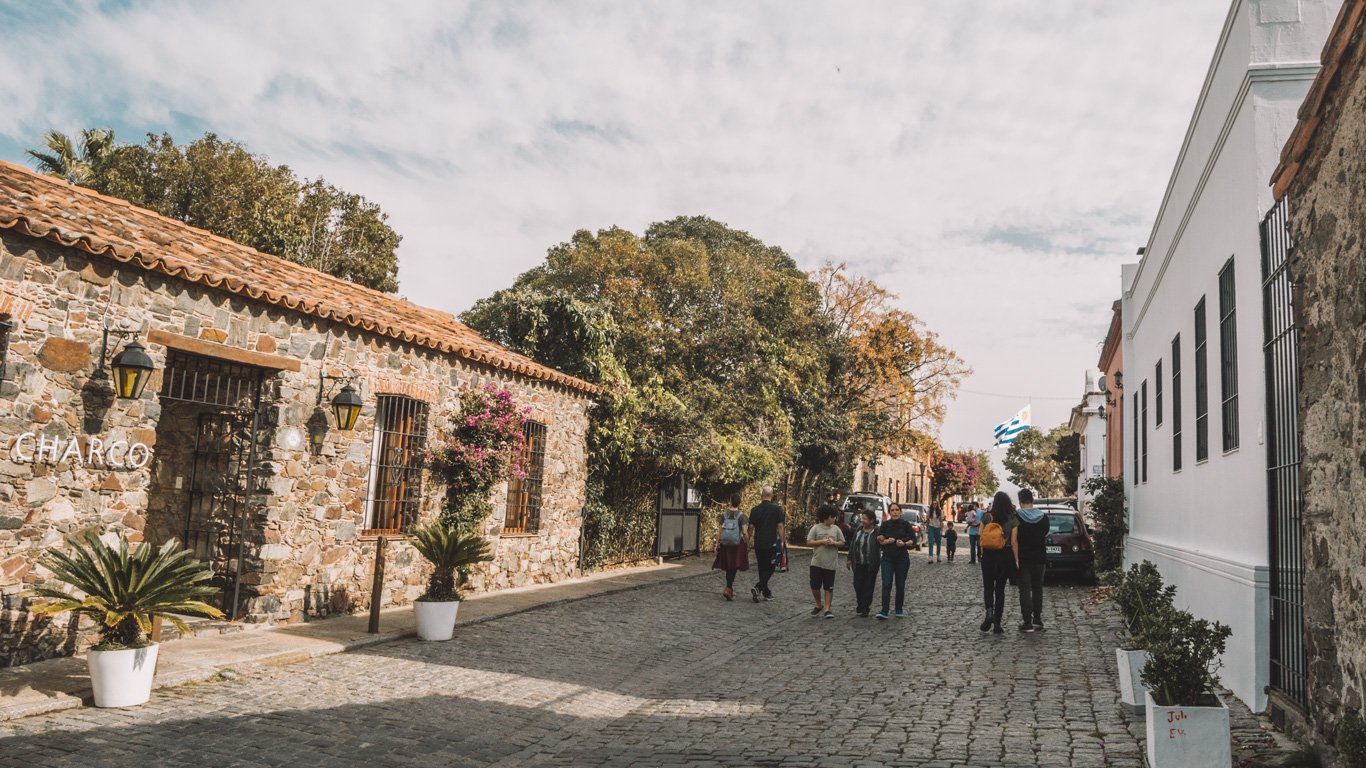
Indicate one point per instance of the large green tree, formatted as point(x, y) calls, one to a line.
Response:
point(221, 186)
point(1032, 462)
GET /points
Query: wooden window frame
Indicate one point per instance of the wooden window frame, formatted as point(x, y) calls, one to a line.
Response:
point(525, 494)
point(395, 479)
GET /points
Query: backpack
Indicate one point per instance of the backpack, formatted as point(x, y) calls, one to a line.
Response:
point(730, 529)
point(992, 536)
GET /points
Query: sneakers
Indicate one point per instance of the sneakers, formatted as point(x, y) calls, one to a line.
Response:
point(881, 616)
point(1026, 627)
point(829, 615)
point(996, 628)
point(986, 624)
point(768, 597)
point(1038, 625)
point(900, 613)
point(754, 593)
point(863, 614)
point(816, 611)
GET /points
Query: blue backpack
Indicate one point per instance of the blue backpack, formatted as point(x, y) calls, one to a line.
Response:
point(730, 529)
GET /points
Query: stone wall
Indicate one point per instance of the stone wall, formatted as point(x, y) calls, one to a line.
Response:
point(906, 479)
point(1328, 223)
point(305, 552)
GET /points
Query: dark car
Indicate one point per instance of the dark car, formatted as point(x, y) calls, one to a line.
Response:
point(1068, 544)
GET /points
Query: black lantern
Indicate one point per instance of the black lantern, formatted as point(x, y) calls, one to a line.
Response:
point(346, 407)
point(132, 368)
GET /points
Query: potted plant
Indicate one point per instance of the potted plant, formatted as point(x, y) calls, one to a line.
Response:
point(1187, 722)
point(1142, 598)
point(451, 551)
point(123, 591)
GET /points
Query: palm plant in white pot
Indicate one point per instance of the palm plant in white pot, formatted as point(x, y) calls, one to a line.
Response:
point(452, 551)
point(123, 590)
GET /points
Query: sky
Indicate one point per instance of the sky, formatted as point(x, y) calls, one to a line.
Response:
point(992, 162)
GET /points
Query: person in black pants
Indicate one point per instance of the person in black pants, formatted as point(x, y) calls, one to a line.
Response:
point(864, 560)
point(997, 560)
point(1027, 541)
point(766, 530)
point(895, 538)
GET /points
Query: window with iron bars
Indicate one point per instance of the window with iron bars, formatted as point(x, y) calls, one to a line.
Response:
point(524, 493)
point(1201, 386)
point(1228, 357)
point(6, 325)
point(1176, 403)
point(1143, 471)
point(396, 464)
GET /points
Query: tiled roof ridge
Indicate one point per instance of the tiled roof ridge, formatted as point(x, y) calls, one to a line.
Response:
point(175, 265)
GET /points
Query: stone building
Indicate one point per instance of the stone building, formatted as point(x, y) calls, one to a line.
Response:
point(1315, 272)
point(905, 479)
point(232, 447)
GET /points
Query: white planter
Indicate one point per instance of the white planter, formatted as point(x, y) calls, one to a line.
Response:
point(1131, 688)
point(122, 678)
point(1188, 736)
point(436, 619)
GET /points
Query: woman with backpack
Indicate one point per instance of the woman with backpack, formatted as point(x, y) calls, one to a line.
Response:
point(732, 553)
point(997, 559)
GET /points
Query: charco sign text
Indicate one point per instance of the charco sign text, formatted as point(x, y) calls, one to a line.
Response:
point(33, 448)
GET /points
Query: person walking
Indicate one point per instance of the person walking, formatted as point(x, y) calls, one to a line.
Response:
point(997, 559)
point(864, 560)
point(825, 539)
point(950, 538)
point(732, 554)
point(974, 525)
point(895, 538)
point(1027, 541)
point(934, 524)
point(766, 532)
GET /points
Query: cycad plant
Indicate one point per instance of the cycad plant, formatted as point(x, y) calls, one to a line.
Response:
point(124, 590)
point(452, 551)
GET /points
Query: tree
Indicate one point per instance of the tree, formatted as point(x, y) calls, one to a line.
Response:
point(956, 473)
point(1029, 463)
point(1067, 456)
point(64, 161)
point(220, 186)
point(987, 482)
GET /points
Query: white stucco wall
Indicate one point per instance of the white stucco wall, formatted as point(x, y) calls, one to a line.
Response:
point(1205, 526)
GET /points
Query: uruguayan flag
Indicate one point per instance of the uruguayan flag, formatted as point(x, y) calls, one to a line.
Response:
point(1007, 432)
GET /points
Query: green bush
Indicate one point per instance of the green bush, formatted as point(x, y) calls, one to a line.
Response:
point(1107, 512)
point(452, 550)
point(1183, 657)
point(1352, 740)
point(1142, 598)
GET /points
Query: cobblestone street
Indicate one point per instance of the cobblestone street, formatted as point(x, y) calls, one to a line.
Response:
point(667, 675)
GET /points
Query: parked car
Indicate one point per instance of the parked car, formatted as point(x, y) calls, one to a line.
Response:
point(855, 503)
point(1068, 544)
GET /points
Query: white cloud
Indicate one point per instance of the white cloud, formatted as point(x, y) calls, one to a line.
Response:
point(991, 162)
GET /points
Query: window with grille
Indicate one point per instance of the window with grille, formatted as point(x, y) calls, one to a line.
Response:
point(1157, 395)
point(1136, 444)
point(1143, 389)
point(1176, 403)
point(396, 464)
point(524, 493)
point(1201, 386)
point(1228, 357)
point(6, 325)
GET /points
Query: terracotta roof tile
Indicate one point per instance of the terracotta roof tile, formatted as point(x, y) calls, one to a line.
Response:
point(49, 208)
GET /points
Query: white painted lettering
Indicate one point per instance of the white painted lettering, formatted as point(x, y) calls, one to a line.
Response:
point(109, 458)
point(139, 455)
point(73, 451)
point(94, 451)
point(47, 449)
point(16, 453)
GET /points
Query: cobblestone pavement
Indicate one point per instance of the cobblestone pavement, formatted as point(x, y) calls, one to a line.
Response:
point(670, 675)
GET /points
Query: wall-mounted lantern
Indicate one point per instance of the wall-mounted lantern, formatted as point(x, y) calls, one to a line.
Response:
point(131, 368)
point(346, 407)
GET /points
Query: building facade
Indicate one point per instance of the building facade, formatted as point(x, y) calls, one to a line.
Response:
point(231, 448)
point(905, 479)
point(1194, 382)
point(1315, 273)
point(1088, 422)
point(1111, 384)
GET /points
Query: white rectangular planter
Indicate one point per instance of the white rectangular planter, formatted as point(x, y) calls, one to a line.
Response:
point(1131, 688)
point(1185, 737)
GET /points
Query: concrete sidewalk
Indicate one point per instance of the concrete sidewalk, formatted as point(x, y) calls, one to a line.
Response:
point(57, 684)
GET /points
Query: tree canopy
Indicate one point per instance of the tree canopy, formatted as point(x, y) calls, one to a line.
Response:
point(219, 185)
point(1033, 461)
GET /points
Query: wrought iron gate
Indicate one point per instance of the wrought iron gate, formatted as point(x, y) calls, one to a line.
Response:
point(218, 501)
point(1289, 668)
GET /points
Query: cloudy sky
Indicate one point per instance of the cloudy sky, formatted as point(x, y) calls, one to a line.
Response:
point(991, 161)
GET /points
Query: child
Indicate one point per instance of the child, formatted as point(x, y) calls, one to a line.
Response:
point(825, 539)
point(950, 538)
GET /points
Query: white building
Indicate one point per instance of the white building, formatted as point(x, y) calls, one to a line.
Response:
point(1088, 423)
point(1195, 463)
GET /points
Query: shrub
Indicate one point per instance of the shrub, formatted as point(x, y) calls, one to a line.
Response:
point(1352, 740)
point(124, 590)
point(1142, 598)
point(452, 551)
point(1183, 658)
point(1107, 512)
